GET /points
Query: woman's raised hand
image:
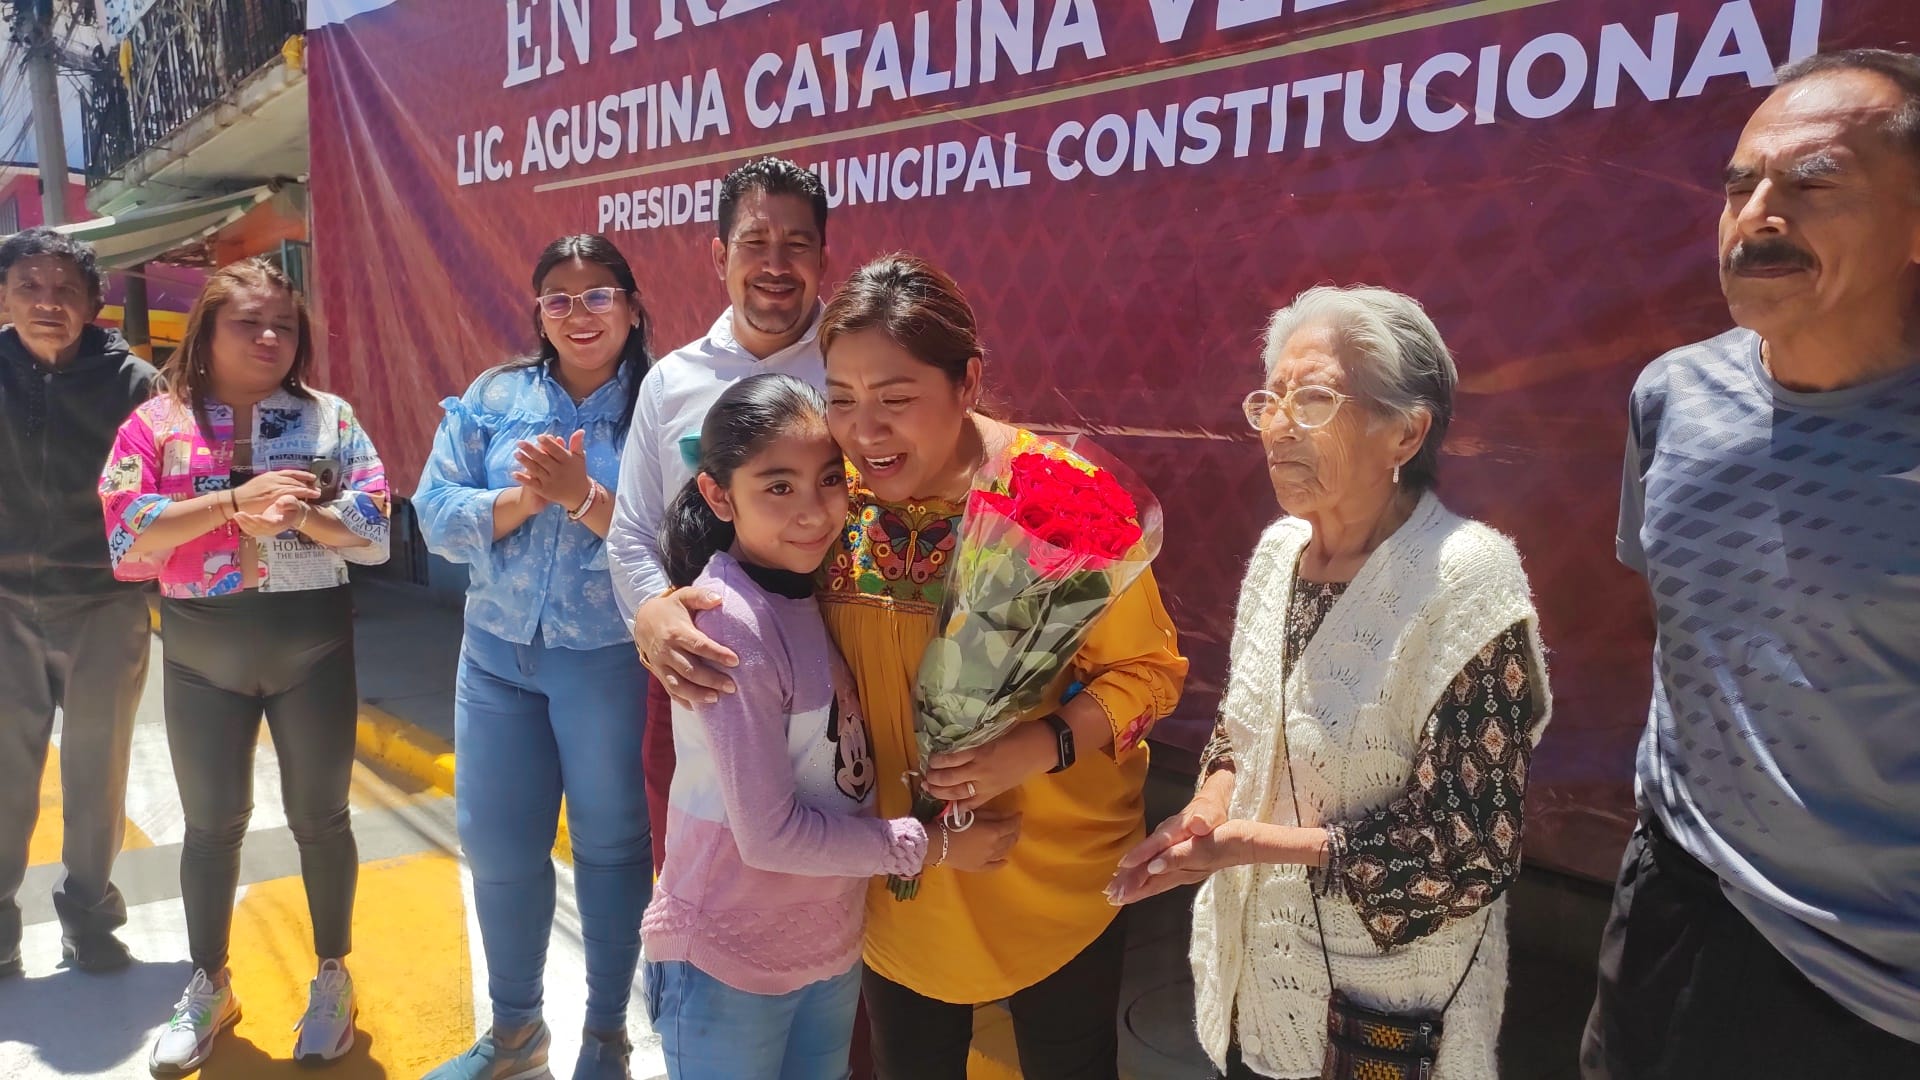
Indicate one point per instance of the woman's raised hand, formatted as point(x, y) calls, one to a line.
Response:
point(263, 491)
point(554, 470)
point(284, 513)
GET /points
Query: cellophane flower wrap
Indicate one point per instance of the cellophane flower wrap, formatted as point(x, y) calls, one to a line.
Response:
point(1041, 555)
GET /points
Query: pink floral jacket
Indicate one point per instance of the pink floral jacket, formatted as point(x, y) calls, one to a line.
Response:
point(161, 455)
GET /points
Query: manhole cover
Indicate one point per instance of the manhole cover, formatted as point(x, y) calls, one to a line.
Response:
point(1162, 1019)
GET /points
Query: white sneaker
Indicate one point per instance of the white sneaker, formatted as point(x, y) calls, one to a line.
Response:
point(326, 1031)
point(202, 1013)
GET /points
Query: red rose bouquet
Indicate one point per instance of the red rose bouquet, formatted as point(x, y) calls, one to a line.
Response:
point(1041, 555)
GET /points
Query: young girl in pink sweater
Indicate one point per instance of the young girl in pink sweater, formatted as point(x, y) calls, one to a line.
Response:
point(753, 935)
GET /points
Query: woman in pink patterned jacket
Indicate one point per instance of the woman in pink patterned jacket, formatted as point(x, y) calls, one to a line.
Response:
point(246, 493)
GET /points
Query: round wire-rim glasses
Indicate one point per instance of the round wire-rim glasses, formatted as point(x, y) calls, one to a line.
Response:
point(1306, 406)
point(559, 305)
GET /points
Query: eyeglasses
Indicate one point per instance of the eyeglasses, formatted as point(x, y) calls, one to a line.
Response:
point(559, 305)
point(1306, 406)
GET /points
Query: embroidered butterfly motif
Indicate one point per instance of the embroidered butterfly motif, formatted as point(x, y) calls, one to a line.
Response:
point(901, 550)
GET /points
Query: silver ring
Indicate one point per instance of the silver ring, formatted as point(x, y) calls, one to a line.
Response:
point(970, 789)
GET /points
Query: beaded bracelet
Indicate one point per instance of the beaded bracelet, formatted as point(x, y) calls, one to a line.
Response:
point(593, 496)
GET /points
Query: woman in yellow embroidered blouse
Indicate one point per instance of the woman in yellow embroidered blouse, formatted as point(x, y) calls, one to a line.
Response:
point(903, 380)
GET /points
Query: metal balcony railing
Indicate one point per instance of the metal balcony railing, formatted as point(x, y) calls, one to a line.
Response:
point(186, 55)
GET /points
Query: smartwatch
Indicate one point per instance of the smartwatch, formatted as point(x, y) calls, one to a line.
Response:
point(1063, 735)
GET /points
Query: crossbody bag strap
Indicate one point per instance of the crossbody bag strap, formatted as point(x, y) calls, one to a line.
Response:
point(1293, 790)
point(1319, 920)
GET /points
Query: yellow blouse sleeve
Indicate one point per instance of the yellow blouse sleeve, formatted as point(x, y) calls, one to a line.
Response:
point(1135, 670)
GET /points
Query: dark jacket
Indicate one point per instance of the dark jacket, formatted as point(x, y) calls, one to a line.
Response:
point(56, 427)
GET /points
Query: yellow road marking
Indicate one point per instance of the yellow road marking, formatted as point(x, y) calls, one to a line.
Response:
point(410, 967)
point(993, 1056)
point(425, 757)
point(50, 832)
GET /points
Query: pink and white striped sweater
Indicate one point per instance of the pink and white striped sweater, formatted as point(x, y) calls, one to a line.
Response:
point(771, 809)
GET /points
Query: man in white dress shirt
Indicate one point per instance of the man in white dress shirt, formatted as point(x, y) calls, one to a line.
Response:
point(771, 252)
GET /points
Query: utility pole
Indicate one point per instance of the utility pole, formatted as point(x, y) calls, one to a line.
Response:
point(34, 27)
point(135, 321)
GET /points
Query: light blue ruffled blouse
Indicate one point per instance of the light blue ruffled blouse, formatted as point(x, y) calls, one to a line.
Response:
point(549, 576)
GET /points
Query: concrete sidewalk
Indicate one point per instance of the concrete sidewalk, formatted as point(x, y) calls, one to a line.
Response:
point(408, 644)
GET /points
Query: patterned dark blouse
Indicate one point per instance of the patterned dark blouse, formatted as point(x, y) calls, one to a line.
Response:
point(1451, 844)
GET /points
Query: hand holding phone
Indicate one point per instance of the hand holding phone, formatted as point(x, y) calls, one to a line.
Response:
point(260, 492)
point(326, 474)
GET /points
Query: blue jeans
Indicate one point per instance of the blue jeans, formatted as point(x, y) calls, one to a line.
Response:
point(710, 1031)
point(531, 723)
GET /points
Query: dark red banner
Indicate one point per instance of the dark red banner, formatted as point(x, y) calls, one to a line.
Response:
point(1127, 189)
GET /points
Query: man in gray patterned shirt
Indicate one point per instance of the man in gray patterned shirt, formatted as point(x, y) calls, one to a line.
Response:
point(1767, 919)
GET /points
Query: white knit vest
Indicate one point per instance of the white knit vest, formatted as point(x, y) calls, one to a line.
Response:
point(1357, 704)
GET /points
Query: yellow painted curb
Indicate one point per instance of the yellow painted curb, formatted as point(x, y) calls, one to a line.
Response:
point(405, 748)
point(427, 758)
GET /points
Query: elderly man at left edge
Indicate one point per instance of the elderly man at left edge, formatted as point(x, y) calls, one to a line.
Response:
point(71, 638)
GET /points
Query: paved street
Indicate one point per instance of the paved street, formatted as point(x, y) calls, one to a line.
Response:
point(415, 948)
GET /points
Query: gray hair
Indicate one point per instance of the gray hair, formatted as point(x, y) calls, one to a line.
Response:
point(1900, 69)
point(1395, 360)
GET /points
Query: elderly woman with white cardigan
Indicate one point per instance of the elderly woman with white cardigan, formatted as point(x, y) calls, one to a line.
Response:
point(1388, 685)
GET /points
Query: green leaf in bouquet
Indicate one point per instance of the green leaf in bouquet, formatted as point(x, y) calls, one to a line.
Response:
point(979, 564)
point(1024, 612)
point(1084, 589)
point(1014, 611)
point(969, 710)
point(937, 680)
point(1005, 577)
point(1038, 667)
point(942, 655)
point(927, 706)
point(948, 711)
point(994, 650)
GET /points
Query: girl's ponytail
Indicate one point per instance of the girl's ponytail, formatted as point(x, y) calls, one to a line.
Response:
point(691, 534)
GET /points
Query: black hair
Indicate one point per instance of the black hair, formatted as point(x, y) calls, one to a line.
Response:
point(771, 176)
point(1901, 69)
point(749, 415)
point(600, 251)
point(41, 240)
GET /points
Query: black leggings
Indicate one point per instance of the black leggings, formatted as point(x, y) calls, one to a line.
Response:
point(228, 660)
point(1066, 1026)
